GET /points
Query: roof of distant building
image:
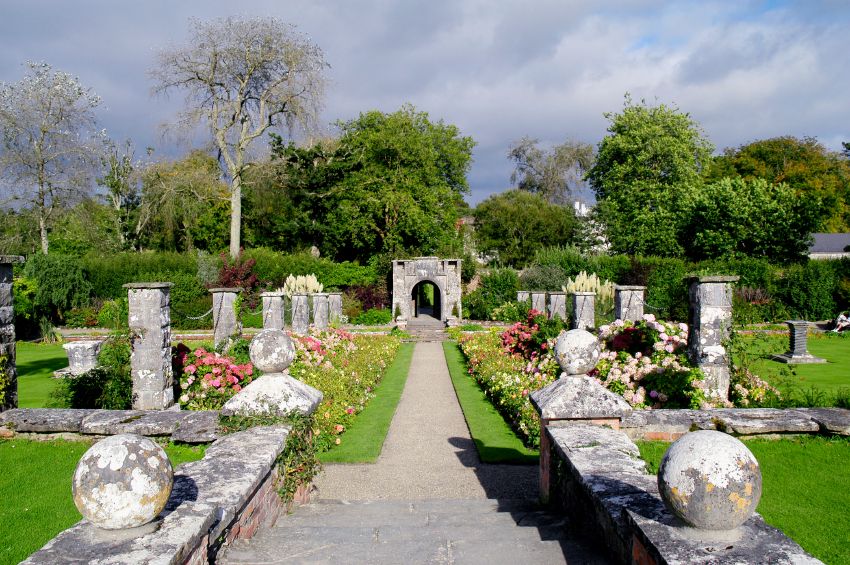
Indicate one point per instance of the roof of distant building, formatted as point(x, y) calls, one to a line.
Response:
point(830, 243)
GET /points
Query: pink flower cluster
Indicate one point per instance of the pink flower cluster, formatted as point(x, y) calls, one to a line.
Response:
point(208, 379)
point(318, 348)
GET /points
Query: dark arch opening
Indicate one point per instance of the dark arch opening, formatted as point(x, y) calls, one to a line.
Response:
point(427, 301)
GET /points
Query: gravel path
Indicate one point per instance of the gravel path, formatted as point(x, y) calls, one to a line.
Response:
point(428, 453)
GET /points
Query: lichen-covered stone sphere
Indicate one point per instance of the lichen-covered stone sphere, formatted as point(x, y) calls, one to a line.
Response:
point(710, 480)
point(577, 351)
point(122, 481)
point(272, 351)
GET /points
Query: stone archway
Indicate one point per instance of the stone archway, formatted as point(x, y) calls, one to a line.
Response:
point(426, 300)
point(443, 274)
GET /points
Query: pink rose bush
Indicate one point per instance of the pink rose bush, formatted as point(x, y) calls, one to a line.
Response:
point(207, 379)
point(346, 368)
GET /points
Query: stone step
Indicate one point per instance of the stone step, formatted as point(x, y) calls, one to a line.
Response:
point(421, 531)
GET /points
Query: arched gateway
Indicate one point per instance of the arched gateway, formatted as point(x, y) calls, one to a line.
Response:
point(426, 286)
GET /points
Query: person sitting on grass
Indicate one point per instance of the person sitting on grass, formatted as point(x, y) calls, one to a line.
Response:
point(842, 322)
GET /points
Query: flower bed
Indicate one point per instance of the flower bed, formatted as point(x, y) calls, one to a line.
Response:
point(346, 368)
point(644, 361)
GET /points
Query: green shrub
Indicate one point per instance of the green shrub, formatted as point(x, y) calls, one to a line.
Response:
point(808, 290)
point(60, 284)
point(107, 387)
point(614, 268)
point(107, 273)
point(83, 317)
point(113, 314)
point(496, 288)
point(570, 259)
point(543, 277)
point(667, 287)
point(373, 317)
point(272, 268)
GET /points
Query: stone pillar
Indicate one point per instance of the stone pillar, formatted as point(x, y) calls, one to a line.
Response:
point(710, 319)
point(798, 350)
point(150, 330)
point(538, 301)
point(628, 302)
point(584, 310)
point(321, 312)
point(273, 308)
point(226, 324)
point(522, 295)
point(300, 314)
point(9, 393)
point(558, 305)
point(335, 307)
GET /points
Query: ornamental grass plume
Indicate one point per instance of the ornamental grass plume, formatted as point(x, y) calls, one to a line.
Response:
point(583, 282)
point(301, 284)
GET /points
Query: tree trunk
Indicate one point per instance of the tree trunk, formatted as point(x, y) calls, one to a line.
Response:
point(235, 216)
point(42, 229)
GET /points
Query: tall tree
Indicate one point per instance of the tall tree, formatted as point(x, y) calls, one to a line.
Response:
point(645, 173)
point(243, 76)
point(50, 143)
point(512, 225)
point(803, 164)
point(556, 173)
point(123, 190)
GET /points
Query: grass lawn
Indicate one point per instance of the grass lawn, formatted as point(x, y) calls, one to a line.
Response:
point(828, 377)
point(36, 491)
point(364, 439)
point(495, 440)
point(804, 490)
point(36, 363)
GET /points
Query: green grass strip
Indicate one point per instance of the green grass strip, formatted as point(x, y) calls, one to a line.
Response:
point(36, 491)
point(36, 363)
point(364, 439)
point(804, 490)
point(495, 440)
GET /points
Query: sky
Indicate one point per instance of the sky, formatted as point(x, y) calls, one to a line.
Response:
point(497, 69)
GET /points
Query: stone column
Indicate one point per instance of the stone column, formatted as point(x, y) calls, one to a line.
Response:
point(321, 312)
point(558, 305)
point(798, 350)
point(522, 295)
point(9, 394)
point(226, 324)
point(584, 310)
point(150, 330)
point(710, 319)
point(628, 302)
point(335, 307)
point(538, 301)
point(273, 308)
point(300, 314)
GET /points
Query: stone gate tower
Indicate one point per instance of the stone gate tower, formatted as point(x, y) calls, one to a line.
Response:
point(444, 274)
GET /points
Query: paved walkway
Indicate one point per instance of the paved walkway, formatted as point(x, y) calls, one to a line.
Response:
point(428, 499)
point(428, 452)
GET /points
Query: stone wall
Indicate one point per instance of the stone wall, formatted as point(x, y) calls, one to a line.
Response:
point(603, 486)
point(443, 273)
point(227, 495)
point(9, 389)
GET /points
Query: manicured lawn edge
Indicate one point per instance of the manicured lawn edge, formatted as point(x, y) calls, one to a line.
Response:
point(36, 490)
point(804, 490)
point(495, 440)
point(363, 441)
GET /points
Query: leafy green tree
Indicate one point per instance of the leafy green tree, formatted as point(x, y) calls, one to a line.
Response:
point(644, 176)
point(514, 224)
point(391, 184)
point(805, 165)
point(734, 217)
point(184, 204)
point(556, 173)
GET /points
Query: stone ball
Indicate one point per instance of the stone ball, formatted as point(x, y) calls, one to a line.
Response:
point(577, 351)
point(710, 480)
point(272, 351)
point(122, 481)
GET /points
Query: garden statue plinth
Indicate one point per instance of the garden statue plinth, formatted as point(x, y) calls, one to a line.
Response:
point(798, 350)
point(226, 323)
point(122, 482)
point(275, 393)
point(574, 397)
point(273, 308)
point(628, 302)
point(82, 357)
point(711, 481)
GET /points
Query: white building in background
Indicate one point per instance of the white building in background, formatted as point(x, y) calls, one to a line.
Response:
point(830, 246)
